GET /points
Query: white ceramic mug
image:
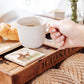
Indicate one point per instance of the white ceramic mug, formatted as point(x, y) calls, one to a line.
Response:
point(31, 31)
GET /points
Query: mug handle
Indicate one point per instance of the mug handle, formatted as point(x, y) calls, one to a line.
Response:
point(48, 40)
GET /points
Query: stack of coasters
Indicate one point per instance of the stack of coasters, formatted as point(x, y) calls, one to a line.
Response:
point(24, 56)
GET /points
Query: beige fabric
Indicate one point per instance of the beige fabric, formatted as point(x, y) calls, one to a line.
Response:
point(74, 66)
point(54, 76)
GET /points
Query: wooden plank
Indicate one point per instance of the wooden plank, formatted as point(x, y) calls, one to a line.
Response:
point(7, 66)
point(8, 45)
point(5, 78)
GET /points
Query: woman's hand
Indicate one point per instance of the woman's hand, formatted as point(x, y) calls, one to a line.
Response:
point(67, 34)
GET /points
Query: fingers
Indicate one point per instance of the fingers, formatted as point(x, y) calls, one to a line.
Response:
point(60, 39)
point(52, 30)
point(55, 35)
point(60, 44)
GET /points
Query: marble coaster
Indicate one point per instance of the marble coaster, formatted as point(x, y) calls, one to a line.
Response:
point(24, 56)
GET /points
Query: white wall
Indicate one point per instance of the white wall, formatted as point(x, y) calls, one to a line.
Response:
point(38, 6)
point(43, 5)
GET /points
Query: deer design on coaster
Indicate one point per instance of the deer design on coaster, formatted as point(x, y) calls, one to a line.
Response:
point(24, 56)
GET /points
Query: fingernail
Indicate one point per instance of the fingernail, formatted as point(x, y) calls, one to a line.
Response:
point(62, 37)
point(57, 34)
point(53, 30)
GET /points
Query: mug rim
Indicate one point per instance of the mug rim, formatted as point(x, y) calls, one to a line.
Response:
point(40, 18)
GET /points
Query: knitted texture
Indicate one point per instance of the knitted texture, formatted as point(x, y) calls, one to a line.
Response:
point(54, 76)
point(74, 66)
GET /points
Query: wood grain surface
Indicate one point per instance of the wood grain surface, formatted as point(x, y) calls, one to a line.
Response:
point(11, 73)
point(8, 45)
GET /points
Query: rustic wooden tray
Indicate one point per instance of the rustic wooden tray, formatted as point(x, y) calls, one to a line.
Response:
point(11, 73)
